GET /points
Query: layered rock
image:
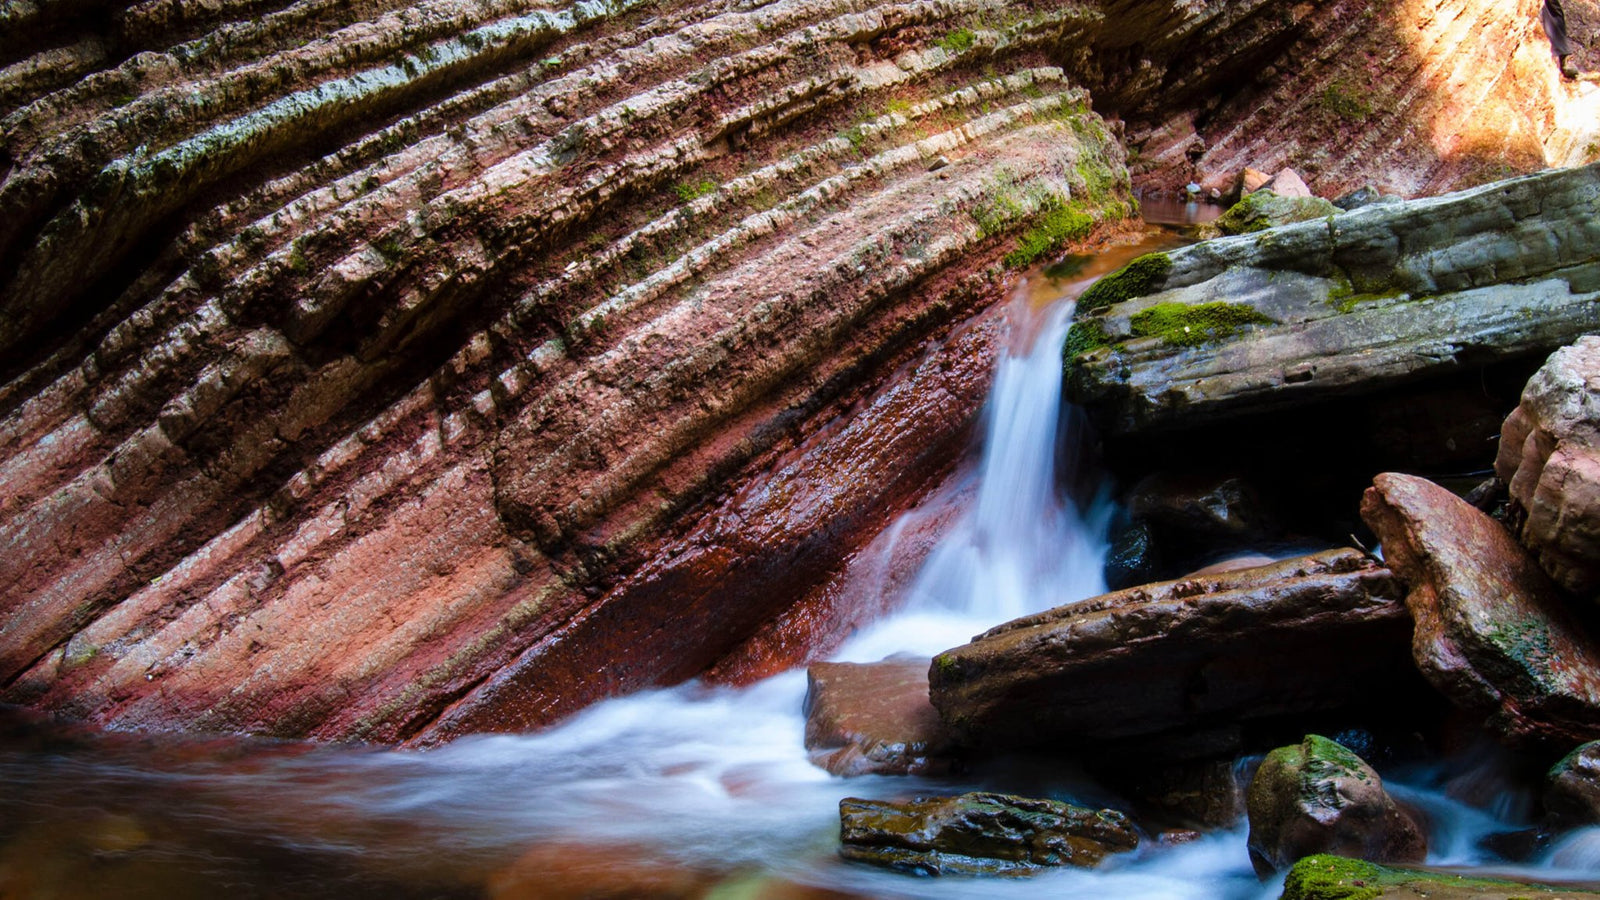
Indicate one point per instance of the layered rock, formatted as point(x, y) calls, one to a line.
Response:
point(1493, 632)
point(875, 718)
point(1354, 302)
point(1318, 797)
point(980, 833)
point(1550, 460)
point(1181, 668)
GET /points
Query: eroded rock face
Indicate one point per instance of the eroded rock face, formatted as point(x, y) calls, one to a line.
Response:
point(1318, 797)
point(1550, 459)
point(1493, 632)
point(875, 719)
point(1191, 661)
point(980, 833)
point(1350, 303)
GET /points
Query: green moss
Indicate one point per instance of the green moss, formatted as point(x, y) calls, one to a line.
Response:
point(1324, 877)
point(1083, 336)
point(1060, 224)
point(1183, 325)
point(957, 41)
point(1138, 278)
point(1344, 101)
point(688, 190)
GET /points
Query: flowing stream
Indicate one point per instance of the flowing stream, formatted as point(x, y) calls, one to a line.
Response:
point(688, 791)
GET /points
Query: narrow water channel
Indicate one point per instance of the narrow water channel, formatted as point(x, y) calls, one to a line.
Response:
point(689, 791)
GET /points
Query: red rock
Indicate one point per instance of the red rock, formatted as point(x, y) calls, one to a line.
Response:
point(1493, 632)
point(875, 719)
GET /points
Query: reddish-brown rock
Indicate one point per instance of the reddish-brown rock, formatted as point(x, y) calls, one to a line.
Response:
point(1493, 632)
point(875, 719)
point(1200, 656)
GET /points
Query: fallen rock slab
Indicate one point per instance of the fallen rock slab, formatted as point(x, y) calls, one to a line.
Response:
point(1550, 460)
point(1318, 797)
point(980, 833)
point(875, 719)
point(1325, 877)
point(1352, 302)
point(1196, 656)
point(1493, 632)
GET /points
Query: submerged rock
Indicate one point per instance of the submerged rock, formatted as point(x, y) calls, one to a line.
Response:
point(980, 833)
point(1193, 660)
point(1318, 797)
point(1355, 302)
point(1550, 459)
point(1325, 877)
point(875, 719)
point(1493, 632)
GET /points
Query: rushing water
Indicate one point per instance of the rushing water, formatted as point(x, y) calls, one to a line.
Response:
point(683, 792)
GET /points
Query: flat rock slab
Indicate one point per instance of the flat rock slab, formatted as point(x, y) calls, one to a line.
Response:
point(980, 833)
point(1196, 655)
point(1325, 877)
point(875, 719)
point(1493, 632)
point(1353, 302)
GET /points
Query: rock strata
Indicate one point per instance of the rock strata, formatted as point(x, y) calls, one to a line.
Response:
point(1550, 459)
point(1318, 797)
point(980, 833)
point(875, 719)
point(1182, 665)
point(1348, 303)
point(1493, 632)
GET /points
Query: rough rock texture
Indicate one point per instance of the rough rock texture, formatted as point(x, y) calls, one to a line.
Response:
point(1355, 302)
point(875, 719)
point(1493, 632)
point(980, 833)
point(395, 370)
point(1318, 797)
point(1325, 877)
point(1183, 664)
point(1550, 460)
point(1573, 793)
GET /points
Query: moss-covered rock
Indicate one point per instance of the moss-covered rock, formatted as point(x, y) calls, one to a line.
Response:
point(1183, 325)
point(1141, 277)
point(1325, 877)
point(1573, 791)
point(1265, 209)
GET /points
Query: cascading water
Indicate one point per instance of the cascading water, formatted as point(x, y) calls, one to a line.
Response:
point(710, 786)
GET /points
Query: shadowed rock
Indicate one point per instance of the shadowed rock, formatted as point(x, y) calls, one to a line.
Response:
point(1573, 793)
point(875, 718)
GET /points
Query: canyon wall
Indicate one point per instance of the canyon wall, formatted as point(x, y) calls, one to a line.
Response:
point(394, 371)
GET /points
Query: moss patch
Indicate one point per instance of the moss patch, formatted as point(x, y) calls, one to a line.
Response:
point(1183, 325)
point(1060, 224)
point(1139, 278)
point(1082, 337)
point(1265, 209)
point(1324, 877)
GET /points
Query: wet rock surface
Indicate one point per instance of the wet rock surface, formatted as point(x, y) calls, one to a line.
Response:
point(1318, 797)
point(1492, 632)
point(1572, 794)
point(1356, 302)
point(1337, 878)
point(875, 719)
point(980, 833)
point(1180, 667)
point(1550, 460)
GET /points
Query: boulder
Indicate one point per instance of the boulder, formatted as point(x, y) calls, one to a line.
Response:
point(1194, 516)
point(1550, 459)
point(1267, 208)
point(875, 719)
point(1180, 667)
point(980, 833)
point(1325, 877)
point(1493, 632)
point(1318, 797)
point(1288, 183)
point(1351, 303)
point(1572, 794)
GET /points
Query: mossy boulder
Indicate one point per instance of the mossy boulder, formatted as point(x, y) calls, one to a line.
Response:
point(1325, 877)
point(1318, 797)
point(1572, 795)
point(980, 833)
point(1143, 276)
point(1267, 209)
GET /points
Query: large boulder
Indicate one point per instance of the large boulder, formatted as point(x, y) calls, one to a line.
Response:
point(1192, 661)
point(1318, 797)
point(875, 719)
point(1348, 303)
point(1550, 459)
point(1572, 794)
point(980, 833)
point(1493, 632)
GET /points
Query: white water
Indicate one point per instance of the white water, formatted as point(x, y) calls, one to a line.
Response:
point(711, 779)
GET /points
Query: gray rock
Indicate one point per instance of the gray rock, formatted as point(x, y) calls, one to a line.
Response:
point(1349, 303)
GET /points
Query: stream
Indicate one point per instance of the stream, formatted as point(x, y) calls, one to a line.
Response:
point(688, 791)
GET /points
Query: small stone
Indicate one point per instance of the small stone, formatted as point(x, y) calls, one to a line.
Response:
point(938, 163)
